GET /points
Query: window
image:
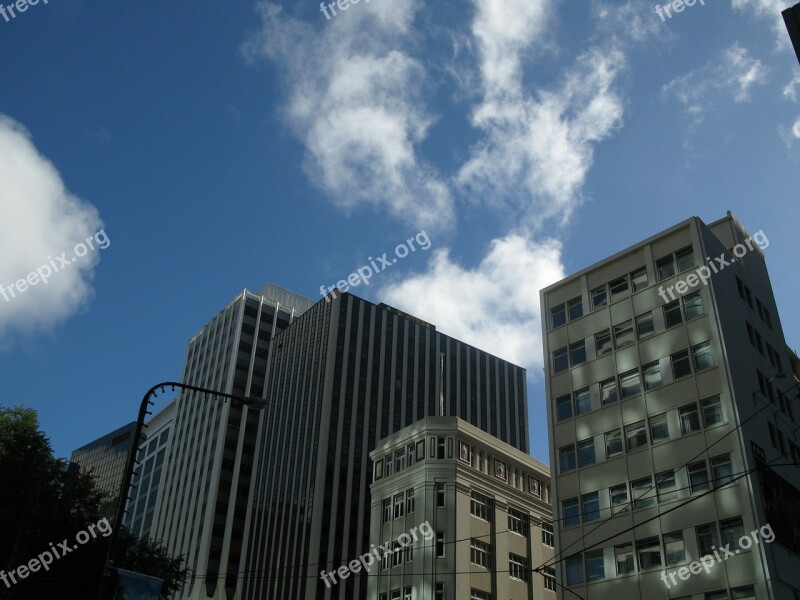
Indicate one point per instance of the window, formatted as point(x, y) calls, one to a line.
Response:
point(652, 375)
point(595, 569)
point(440, 448)
point(439, 591)
point(548, 536)
point(409, 501)
point(613, 443)
point(684, 259)
point(665, 268)
point(575, 308)
point(630, 384)
point(643, 492)
point(386, 559)
point(387, 510)
point(400, 459)
point(644, 325)
point(599, 297)
point(571, 512)
point(698, 476)
point(608, 391)
point(623, 555)
point(740, 285)
point(440, 544)
point(558, 316)
point(517, 522)
point(693, 306)
point(680, 364)
point(703, 359)
point(635, 436)
point(623, 334)
point(586, 452)
point(602, 342)
point(618, 287)
point(618, 495)
point(518, 567)
point(378, 469)
point(666, 485)
point(722, 469)
point(481, 506)
point(549, 574)
point(583, 401)
point(564, 407)
point(407, 592)
point(399, 505)
point(479, 595)
point(690, 421)
point(440, 495)
point(672, 314)
point(639, 279)
point(481, 554)
point(388, 465)
point(719, 595)
point(567, 458)
point(590, 505)
point(560, 360)
point(674, 547)
point(712, 411)
point(706, 538)
point(577, 353)
point(746, 592)
point(649, 553)
point(574, 567)
point(396, 594)
point(412, 454)
point(397, 557)
point(731, 530)
point(659, 428)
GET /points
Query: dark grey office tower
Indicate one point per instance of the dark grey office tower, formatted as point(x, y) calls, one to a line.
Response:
point(201, 510)
point(346, 374)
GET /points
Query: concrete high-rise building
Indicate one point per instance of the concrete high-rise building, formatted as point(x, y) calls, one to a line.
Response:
point(346, 374)
point(106, 458)
point(203, 503)
point(671, 406)
point(464, 514)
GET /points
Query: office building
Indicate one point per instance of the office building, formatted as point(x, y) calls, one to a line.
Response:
point(344, 375)
point(202, 506)
point(673, 414)
point(463, 515)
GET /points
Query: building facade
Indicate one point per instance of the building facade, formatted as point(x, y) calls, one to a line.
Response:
point(202, 506)
point(671, 406)
point(480, 505)
point(345, 375)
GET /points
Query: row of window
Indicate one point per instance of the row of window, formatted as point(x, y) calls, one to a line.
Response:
point(747, 296)
point(684, 309)
point(582, 453)
point(653, 553)
point(770, 390)
point(402, 504)
point(641, 493)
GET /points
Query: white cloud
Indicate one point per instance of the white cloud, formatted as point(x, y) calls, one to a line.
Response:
point(494, 306)
point(355, 103)
point(790, 91)
point(39, 219)
point(734, 73)
point(769, 9)
point(796, 128)
point(536, 149)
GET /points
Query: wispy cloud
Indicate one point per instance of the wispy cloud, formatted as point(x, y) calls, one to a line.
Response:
point(39, 218)
point(771, 10)
point(790, 91)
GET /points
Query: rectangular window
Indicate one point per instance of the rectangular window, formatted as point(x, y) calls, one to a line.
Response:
point(635, 436)
point(399, 505)
point(618, 288)
point(630, 384)
point(577, 353)
point(623, 555)
point(684, 259)
point(409, 501)
point(731, 530)
point(672, 314)
point(613, 443)
point(623, 334)
point(440, 495)
point(586, 452)
point(706, 538)
point(481, 506)
point(518, 567)
point(698, 477)
point(388, 465)
point(575, 308)
point(665, 268)
point(643, 492)
point(648, 552)
point(583, 401)
point(549, 574)
point(693, 305)
point(397, 557)
point(602, 342)
point(639, 279)
point(548, 536)
point(440, 544)
point(740, 285)
point(595, 568)
point(407, 592)
point(608, 391)
point(666, 485)
point(412, 454)
point(574, 568)
point(479, 595)
point(396, 594)
point(674, 548)
point(440, 448)
point(680, 364)
point(387, 510)
point(690, 420)
point(518, 522)
point(567, 458)
point(618, 496)
point(644, 325)
point(659, 428)
point(439, 591)
point(722, 469)
point(590, 506)
point(652, 375)
point(560, 360)
point(558, 316)
point(571, 512)
point(712, 411)
point(703, 359)
point(564, 407)
point(599, 297)
point(481, 554)
point(746, 592)
point(400, 459)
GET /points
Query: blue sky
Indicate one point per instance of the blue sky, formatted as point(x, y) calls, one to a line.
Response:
point(224, 145)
